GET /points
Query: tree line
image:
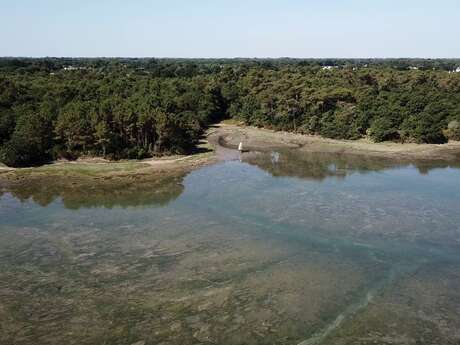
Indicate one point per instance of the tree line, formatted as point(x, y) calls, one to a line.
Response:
point(137, 108)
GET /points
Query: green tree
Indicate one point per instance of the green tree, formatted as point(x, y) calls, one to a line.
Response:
point(30, 143)
point(73, 128)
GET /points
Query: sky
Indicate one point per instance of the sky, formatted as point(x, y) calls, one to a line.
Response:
point(238, 28)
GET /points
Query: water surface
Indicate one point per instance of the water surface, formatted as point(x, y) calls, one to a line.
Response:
point(278, 248)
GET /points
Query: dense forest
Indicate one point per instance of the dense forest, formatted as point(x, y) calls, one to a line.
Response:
point(135, 108)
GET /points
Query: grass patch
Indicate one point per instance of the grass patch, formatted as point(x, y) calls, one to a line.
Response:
point(84, 169)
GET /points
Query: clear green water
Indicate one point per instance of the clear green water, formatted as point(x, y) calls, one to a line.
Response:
point(280, 248)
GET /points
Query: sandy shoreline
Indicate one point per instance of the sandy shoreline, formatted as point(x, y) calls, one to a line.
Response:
point(256, 139)
point(220, 144)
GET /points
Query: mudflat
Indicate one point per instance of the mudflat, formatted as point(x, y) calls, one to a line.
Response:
point(258, 139)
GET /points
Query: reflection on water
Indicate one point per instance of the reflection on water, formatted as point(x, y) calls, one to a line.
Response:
point(105, 192)
point(237, 253)
point(318, 166)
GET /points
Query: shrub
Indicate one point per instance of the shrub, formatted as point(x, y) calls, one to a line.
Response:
point(21, 152)
point(453, 130)
point(382, 129)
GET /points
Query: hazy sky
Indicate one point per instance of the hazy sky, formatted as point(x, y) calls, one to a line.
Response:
point(221, 28)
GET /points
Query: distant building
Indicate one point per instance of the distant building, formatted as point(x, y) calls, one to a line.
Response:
point(327, 68)
point(457, 70)
point(413, 68)
point(73, 68)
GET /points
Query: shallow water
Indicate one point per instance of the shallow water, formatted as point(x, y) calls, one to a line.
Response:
point(278, 248)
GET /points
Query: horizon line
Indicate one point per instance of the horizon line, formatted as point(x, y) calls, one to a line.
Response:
point(224, 58)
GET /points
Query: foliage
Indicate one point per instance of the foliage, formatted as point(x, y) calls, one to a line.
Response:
point(136, 108)
point(453, 130)
point(30, 142)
